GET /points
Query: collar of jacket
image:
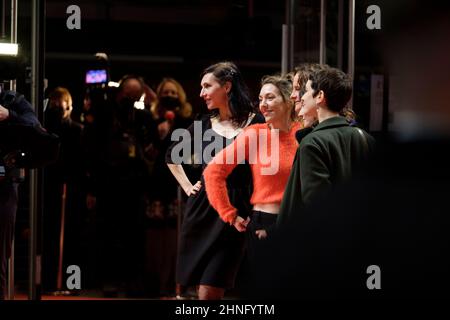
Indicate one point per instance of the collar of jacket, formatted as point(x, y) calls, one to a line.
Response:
point(333, 122)
point(300, 134)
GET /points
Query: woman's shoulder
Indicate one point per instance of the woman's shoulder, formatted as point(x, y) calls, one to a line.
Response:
point(255, 126)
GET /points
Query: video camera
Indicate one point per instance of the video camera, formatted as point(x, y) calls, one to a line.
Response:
point(97, 74)
point(97, 82)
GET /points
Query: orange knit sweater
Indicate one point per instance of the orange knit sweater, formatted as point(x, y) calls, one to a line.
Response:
point(270, 164)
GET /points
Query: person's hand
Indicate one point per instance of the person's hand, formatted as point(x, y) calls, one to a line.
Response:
point(261, 234)
point(240, 224)
point(4, 113)
point(194, 189)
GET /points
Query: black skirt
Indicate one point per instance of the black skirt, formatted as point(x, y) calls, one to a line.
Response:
point(209, 251)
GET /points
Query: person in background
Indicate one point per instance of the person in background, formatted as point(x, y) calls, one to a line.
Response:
point(120, 176)
point(171, 111)
point(171, 97)
point(63, 185)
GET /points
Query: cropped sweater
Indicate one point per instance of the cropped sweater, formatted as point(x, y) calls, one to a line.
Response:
point(270, 154)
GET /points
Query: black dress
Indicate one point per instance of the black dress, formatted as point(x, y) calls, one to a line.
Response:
point(209, 250)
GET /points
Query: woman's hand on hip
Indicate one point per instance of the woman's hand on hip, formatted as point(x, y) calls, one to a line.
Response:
point(193, 190)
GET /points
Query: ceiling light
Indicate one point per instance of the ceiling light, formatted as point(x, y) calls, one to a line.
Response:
point(9, 49)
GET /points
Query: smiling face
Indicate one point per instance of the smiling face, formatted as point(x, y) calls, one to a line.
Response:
point(271, 104)
point(214, 94)
point(308, 110)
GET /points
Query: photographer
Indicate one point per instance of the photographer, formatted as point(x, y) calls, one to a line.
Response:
point(119, 137)
point(14, 109)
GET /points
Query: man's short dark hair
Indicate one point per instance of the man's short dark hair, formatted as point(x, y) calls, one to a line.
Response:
point(335, 84)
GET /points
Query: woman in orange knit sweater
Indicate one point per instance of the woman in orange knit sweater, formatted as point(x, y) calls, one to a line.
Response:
point(269, 148)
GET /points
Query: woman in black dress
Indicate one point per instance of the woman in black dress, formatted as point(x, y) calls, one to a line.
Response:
point(210, 251)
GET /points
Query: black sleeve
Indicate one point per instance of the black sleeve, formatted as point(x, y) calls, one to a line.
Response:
point(21, 112)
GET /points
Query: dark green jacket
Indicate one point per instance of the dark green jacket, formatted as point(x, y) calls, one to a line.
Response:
point(328, 155)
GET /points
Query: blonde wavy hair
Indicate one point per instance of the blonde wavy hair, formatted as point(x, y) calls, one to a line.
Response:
point(185, 109)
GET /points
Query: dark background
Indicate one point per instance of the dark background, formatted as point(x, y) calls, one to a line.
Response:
point(179, 39)
point(164, 38)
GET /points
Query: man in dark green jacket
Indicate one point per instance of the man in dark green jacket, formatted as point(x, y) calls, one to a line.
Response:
point(330, 153)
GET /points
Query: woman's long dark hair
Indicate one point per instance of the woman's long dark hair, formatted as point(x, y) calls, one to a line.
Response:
point(239, 97)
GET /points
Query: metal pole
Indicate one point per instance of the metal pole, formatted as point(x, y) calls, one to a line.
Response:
point(323, 32)
point(284, 49)
point(32, 292)
point(14, 10)
point(351, 44)
point(59, 279)
point(3, 20)
point(10, 293)
point(14, 6)
point(287, 47)
point(340, 51)
point(291, 35)
point(12, 86)
point(37, 66)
